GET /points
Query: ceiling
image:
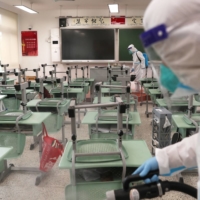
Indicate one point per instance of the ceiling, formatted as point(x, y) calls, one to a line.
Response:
point(44, 5)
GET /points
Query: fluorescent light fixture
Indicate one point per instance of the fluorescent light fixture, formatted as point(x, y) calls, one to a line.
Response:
point(114, 8)
point(24, 8)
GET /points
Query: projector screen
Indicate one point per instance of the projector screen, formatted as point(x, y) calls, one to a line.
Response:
point(88, 44)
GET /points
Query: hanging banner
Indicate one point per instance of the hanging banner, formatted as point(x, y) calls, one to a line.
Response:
point(137, 21)
point(105, 21)
point(118, 20)
point(89, 21)
point(29, 43)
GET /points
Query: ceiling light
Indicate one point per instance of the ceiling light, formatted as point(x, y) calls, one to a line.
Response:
point(113, 8)
point(24, 8)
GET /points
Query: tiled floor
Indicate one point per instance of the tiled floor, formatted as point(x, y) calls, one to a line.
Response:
point(21, 186)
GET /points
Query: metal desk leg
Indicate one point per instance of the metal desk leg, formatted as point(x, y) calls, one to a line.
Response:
point(35, 142)
point(6, 172)
point(91, 93)
point(141, 99)
point(39, 178)
point(133, 130)
point(146, 112)
point(64, 140)
point(40, 145)
point(85, 111)
point(11, 168)
point(141, 96)
point(79, 119)
point(78, 122)
point(147, 107)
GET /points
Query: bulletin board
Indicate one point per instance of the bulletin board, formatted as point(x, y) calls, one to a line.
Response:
point(29, 43)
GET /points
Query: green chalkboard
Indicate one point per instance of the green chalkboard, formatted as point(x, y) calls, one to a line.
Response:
point(127, 37)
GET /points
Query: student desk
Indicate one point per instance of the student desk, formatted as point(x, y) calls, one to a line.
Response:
point(141, 82)
point(91, 84)
point(138, 153)
point(69, 93)
point(148, 86)
point(178, 106)
point(83, 85)
point(109, 100)
point(155, 94)
point(183, 127)
point(90, 119)
point(4, 151)
point(28, 127)
point(13, 97)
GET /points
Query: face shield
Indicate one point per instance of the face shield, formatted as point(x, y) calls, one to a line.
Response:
point(170, 84)
point(152, 36)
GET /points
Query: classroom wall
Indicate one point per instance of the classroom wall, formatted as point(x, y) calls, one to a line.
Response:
point(45, 21)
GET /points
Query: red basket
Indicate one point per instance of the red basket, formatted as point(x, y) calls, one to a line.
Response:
point(141, 96)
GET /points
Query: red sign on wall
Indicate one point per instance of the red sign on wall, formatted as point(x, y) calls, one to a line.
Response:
point(118, 20)
point(29, 43)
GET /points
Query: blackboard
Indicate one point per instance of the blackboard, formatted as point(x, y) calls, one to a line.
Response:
point(127, 37)
point(88, 44)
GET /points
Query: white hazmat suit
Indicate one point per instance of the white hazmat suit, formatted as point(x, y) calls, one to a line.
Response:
point(138, 63)
point(180, 52)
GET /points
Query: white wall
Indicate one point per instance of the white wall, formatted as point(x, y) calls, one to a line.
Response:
point(44, 22)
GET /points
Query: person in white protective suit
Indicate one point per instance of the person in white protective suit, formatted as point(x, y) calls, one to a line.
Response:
point(138, 63)
point(172, 36)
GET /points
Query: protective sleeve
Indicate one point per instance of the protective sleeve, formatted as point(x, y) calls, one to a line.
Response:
point(178, 157)
point(140, 55)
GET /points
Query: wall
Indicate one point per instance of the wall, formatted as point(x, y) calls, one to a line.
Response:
point(44, 22)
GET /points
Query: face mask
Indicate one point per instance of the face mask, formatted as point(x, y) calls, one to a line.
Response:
point(168, 79)
point(130, 52)
point(171, 82)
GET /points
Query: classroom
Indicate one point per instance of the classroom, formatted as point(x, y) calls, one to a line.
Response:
point(99, 100)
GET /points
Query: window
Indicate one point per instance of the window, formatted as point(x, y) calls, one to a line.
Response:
point(9, 38)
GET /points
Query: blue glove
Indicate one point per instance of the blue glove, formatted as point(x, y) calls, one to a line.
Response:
point(132, 70)
point(144, 169)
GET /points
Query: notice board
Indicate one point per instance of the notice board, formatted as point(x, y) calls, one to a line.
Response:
point(29, 43)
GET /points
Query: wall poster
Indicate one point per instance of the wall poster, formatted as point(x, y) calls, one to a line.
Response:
point(29, 43)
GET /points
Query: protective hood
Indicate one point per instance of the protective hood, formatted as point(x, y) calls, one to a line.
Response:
point(181, 50)
point(132, 48)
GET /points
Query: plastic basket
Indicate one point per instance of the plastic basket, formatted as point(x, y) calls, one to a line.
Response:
point(111, 115)
point(141, 96)
point(101, 135)
point(15, 140)
point(13, 115)
point(11, 103)
point(97, 146)
point(53, 123)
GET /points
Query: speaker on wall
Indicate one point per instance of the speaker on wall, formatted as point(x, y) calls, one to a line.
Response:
point(62, 22)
